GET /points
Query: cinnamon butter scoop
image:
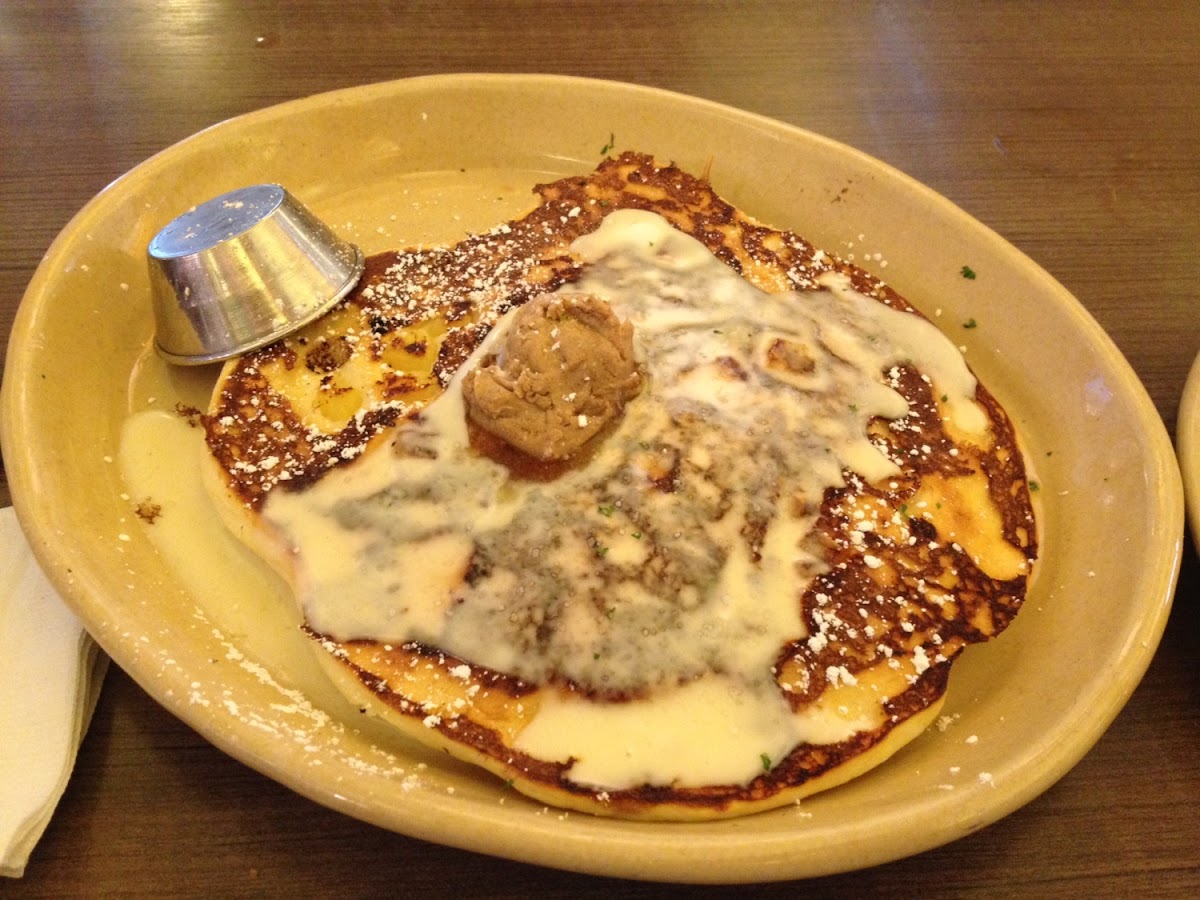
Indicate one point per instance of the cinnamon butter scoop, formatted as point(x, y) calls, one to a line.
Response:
point(562, 373)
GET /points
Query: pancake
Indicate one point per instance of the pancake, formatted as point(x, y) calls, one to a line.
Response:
point(648, 508)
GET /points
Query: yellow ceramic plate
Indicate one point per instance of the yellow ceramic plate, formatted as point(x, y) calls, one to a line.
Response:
point(428, 159)
point(1187, 440)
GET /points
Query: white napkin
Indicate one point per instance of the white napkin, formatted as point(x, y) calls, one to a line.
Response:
point(50, 676)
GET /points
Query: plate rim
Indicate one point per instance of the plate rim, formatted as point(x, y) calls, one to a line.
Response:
point(1187, 444)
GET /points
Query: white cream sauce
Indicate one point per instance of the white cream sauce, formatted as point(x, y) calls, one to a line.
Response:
point(682, 597)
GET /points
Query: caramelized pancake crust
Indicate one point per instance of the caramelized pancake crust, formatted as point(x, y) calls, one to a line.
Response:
point(910, 568)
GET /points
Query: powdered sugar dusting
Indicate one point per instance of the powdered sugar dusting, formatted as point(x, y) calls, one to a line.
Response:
point(291, 717)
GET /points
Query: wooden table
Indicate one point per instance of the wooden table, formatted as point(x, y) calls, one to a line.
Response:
point(1070, 128)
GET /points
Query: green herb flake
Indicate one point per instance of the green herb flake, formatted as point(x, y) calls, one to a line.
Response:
point(970, 323)
point(611, 611)
point(766, 762)
point(1034, 486)
point(605, 510)
point(601, 550)
point(968, 273)
point(904, 509)
point(637, 535)
point(612, 142)
point(945, 398)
